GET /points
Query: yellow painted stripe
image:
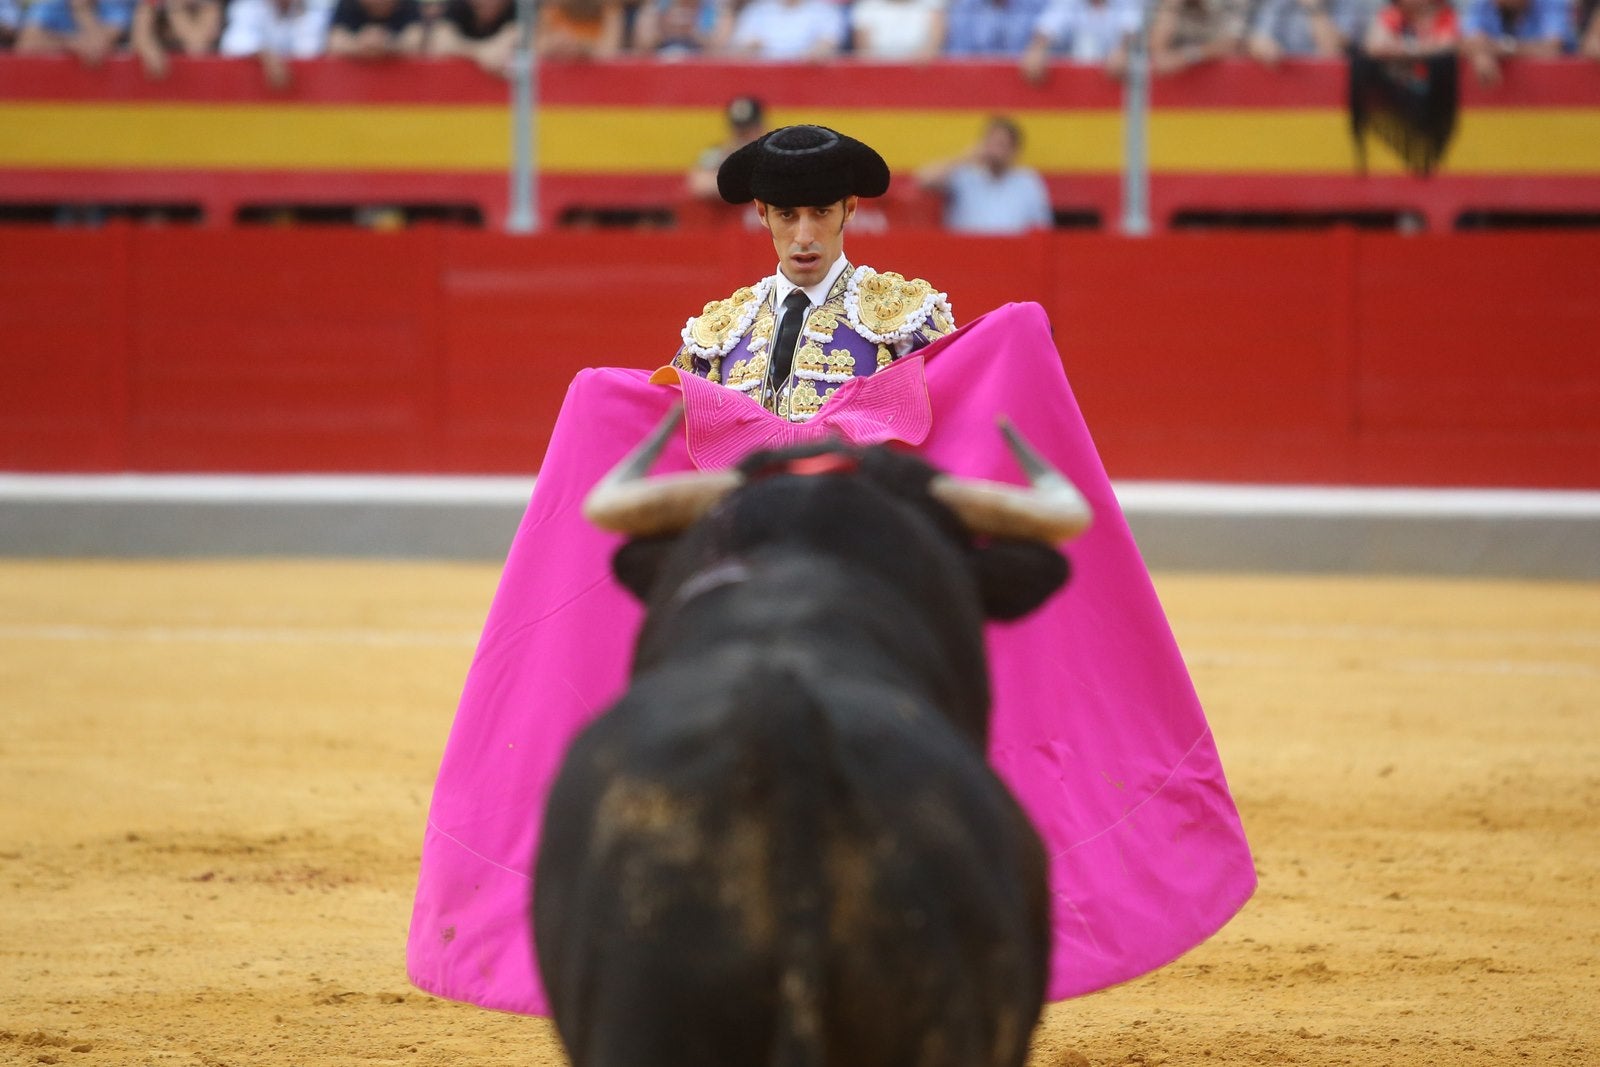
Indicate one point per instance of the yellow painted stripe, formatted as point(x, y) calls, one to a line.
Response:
point(1550, 141)
point(1533, 141)
point(241, 137)
point(629, 140)
point(638, 140)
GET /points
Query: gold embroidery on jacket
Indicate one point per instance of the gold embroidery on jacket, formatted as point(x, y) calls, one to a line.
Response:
point(886, 301)
point(761, 332)
point(838, 365)
point(897, 310)
point(747, 372)
point(719, 318)
point(808, 357)
point(825, 319)
point(804, 401)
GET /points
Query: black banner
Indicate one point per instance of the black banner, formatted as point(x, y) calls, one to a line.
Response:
point(1408, 104)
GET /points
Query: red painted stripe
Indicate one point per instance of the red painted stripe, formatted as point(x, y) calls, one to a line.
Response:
point(992, 85)
point(644, 84)
point(1323, 191)
point(1317, 83)
point(949, 84)
point(215, 80)
point(220, 194)
point(1439, 201)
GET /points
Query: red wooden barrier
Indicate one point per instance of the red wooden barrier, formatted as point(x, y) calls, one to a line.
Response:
point(1330, 358)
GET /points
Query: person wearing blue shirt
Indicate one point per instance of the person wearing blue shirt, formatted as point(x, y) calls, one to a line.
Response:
point(90, 29)
point(1083, 31)
point(986, 191)
point(1493, 30)
point(10, 20)
point(981, 28)
point(1322, 29)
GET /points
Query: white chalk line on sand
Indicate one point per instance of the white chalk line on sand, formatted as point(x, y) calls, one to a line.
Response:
point(239, 635)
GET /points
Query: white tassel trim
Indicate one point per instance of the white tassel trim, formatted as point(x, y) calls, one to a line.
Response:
point(738, 330)
point(852, 308)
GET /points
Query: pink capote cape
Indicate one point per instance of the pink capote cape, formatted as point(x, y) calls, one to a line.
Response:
point(1096, 726)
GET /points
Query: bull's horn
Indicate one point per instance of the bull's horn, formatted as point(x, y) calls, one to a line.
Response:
point(627, 502)
point(1052, 511)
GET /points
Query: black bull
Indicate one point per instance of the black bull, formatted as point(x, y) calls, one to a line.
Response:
point(783, 845)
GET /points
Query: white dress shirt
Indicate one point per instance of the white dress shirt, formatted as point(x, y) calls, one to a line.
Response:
point(816, 294)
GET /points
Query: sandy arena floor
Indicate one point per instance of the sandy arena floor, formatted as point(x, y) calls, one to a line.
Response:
point(213, 780)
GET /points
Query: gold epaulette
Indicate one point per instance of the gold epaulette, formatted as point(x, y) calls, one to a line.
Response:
point(721, 323)
point(887, 307)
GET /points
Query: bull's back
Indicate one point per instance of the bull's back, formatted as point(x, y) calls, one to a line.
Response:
point(758, 868)
point(939, 914)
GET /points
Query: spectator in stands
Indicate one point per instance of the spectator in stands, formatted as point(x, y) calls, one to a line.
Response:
point(986, 191)
point(1086, 31)
point(484, 31)
point(1493, 30)
point(1409, 28)
point(162, 26)
point(746, 121)
point(990, 27)
point(673, 29)
point(375, 29)
point(1184, 33)
point(275, 31)
point(10, 22)
point(431, 16)
point(580, 29)
point(789, 30)
point(89, 29)
point(1321, 29)
point(897, 31)
point(1589, 41)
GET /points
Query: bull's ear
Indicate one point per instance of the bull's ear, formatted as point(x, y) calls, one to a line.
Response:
point(1016, 577)
point(637, 564)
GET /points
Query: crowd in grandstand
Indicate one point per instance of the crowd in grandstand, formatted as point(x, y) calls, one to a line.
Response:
point(1034, 33)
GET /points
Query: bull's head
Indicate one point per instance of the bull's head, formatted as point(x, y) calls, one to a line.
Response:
point(627, 501)
point(778, 552)
point(1013, 531)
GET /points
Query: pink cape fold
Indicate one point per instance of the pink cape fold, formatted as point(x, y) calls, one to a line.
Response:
point(1096, 725)
point(723, 426)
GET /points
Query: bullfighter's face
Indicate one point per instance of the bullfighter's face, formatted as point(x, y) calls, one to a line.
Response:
point(808, 239)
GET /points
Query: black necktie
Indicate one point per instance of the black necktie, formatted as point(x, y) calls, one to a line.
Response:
point(794, 313)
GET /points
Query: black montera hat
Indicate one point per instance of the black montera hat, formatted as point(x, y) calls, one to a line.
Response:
point(799, 166)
